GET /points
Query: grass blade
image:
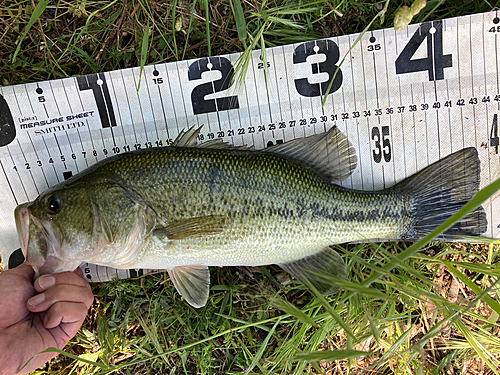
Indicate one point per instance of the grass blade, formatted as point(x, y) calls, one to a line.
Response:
point(144, 53)
point(329, 355)
point(239, 18)
point(490, 301)
point(478, 347)
point(262, 348)
point(37, 12)
point(72, 356)
point(293, 310)
point(207, 26)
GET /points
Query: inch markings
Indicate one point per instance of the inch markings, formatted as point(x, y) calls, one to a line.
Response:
point(404, 99)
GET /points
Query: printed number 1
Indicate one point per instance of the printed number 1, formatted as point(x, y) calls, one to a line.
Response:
point(435, 62)
point(97, 83)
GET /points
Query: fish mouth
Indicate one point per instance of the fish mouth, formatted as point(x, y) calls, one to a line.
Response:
point(39, 241)
point(21, 215)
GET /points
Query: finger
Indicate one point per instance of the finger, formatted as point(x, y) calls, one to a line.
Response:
point(45, 282)
point(78, 271)
point(68, 313)
point(60, 293)
point(24, 270)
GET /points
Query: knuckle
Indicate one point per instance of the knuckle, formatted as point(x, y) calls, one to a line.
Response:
point(89, 299)
point(55, 312)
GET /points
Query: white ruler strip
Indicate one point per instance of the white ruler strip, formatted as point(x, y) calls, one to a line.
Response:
point(404, 99)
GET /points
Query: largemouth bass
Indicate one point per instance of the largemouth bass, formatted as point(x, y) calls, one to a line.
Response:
point(186, 207)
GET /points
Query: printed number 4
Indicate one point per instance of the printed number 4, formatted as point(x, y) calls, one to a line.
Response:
point(435, 62)
point(494, 141)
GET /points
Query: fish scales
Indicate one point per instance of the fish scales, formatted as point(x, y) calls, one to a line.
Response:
point(186, 207)
point(279, 210)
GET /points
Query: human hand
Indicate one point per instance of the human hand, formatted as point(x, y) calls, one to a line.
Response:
point(27, 328)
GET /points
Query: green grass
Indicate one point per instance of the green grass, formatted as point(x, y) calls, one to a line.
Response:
point(405, 309)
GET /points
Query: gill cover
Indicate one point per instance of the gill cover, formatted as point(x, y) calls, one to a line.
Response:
point(121, 221)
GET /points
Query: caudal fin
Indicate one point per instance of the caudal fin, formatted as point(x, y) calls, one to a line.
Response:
point(440, 190)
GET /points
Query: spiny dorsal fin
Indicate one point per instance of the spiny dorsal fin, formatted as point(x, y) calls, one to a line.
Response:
point(219, 144)
point(193, 227)
point(192, 282)
point(330, 153)
point(318, 270)
point(189, 138)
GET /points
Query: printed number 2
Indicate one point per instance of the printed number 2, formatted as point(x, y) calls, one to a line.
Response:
point(435, 62)
point(202, 105)
point(331, 50)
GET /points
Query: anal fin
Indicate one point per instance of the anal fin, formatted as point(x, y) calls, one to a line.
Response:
point(192, 282)
point(318, 270)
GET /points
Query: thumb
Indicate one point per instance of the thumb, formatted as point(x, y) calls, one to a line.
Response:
point(24, 270)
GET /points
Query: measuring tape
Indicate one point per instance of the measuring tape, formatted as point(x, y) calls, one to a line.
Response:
point(404, 99)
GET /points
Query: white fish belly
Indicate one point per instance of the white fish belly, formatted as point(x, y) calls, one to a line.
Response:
point(251, 245)
point(258, 242)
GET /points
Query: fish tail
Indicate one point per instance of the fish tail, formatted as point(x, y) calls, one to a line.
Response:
point(439, 191)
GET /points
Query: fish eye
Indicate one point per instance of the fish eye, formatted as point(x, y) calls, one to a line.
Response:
point(53, 204)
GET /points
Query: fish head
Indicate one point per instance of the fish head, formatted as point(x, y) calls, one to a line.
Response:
point(55, 230)
point(100, 223)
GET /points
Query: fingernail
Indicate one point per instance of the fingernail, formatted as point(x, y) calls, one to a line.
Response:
point(46, 282)
point(36, 300)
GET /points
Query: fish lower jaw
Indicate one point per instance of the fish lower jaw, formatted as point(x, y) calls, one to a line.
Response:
point(56, 265)
point(22, 218)
point(110, 255)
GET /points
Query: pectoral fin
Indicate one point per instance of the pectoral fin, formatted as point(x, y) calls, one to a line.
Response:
point(318, 270)
point(193, 227)
point(192, 282)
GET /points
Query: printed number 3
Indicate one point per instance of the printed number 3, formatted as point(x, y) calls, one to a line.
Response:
point(331, 50)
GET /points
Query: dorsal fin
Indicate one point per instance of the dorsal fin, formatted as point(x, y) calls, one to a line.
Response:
point(330, 153)
point(189, 138)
